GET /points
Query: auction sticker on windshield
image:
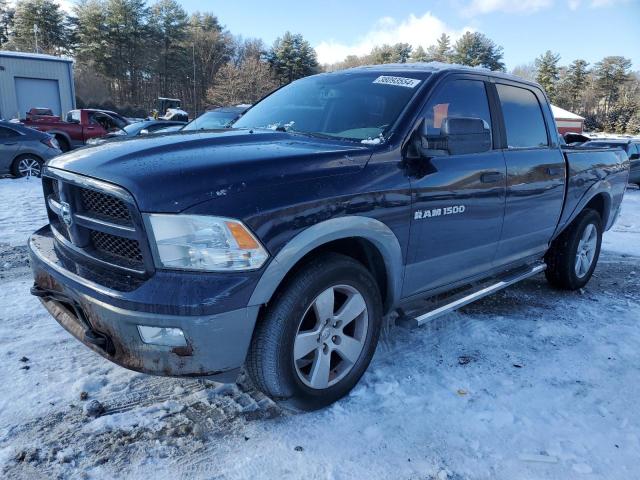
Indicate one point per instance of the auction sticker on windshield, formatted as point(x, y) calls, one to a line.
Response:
point(397, 81)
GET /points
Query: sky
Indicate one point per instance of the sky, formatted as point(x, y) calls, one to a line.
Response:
point(588, 29)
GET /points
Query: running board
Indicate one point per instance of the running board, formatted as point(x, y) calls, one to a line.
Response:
point(466, 298)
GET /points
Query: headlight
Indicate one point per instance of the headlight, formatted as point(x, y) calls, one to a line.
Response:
point(198, 242)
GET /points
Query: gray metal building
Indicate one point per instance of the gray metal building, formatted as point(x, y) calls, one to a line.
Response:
point(30, 80)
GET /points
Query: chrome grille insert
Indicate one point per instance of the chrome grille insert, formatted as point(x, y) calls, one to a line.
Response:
point(104, 224)
point(104, 205)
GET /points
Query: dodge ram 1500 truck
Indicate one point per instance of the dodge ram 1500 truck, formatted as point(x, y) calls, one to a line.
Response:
point(280, 244)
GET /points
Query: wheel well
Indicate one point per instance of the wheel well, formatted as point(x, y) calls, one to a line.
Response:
point(62, 139)
point(599, 204)
point(358, 248)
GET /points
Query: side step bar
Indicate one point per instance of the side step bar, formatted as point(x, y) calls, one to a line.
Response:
point(461, 301)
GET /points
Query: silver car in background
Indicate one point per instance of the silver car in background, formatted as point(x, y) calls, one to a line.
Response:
point(23, 150)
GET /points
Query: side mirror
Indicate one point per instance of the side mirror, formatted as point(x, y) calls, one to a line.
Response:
point(634, 156)
point(465, 135)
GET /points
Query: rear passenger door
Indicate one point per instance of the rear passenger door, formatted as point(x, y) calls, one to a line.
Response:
point(536, 173)
point(458, 200)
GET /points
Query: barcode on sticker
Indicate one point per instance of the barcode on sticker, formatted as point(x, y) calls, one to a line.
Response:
point(397, 81)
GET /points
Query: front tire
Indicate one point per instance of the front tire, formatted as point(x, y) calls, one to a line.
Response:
point(573, 256)
point(319, 334)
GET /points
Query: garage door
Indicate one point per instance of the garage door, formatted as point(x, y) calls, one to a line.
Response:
point(36, 92)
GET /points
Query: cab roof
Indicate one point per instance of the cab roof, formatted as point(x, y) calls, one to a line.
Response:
point(437, 67)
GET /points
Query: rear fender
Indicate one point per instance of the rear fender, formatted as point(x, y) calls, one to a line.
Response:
point(601, 187)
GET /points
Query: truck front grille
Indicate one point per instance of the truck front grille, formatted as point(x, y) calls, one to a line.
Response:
point(105, 205)
point(117, 246)
point(106, 226)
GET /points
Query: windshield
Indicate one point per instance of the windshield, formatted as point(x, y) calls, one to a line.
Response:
point(134, 128)
point(211, 121)
point(358, 106)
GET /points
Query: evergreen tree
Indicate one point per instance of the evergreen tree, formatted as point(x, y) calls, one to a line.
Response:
point(572, 85)
point(168, 22)
point(441, 51)
point(91, 42)
point(548, 73)
point(419, 55)
point(51, 23)
point(127, 40)
point(398, 53)
point(212, 47)
point(291, 57)
point(6, 22)
point(477, 50)
point(610, 75)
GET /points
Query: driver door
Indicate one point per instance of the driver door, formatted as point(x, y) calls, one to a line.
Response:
point(458, 200)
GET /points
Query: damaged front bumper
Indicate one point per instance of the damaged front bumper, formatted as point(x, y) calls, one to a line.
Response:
point(215, 343)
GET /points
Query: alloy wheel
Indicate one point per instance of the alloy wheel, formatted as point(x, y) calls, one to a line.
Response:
point(331, 336)
point(29, 167)
point(586, 250)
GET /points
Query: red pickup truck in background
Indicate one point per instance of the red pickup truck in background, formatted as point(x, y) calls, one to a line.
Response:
point(80, 126)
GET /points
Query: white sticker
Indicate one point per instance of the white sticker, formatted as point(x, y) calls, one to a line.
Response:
point(397, 81)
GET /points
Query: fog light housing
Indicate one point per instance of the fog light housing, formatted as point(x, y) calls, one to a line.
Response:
point(164, 336)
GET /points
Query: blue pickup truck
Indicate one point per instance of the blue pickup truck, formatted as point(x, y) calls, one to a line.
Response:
point(280, 244)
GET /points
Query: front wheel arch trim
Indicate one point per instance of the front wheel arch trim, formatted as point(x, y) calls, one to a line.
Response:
point(322, 233)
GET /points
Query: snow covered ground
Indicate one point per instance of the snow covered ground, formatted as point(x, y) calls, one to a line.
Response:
point(529, 383)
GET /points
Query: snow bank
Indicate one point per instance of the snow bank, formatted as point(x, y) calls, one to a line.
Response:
point(528, 383)
point(22, 209)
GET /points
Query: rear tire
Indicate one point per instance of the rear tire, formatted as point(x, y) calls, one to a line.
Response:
point(573, 256)
point(27, 166)
point(318, 335)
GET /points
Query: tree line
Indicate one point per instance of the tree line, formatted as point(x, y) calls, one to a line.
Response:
point(607, 94)
point(130, 52)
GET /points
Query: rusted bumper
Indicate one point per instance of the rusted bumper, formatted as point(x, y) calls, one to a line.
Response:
point(216, 344)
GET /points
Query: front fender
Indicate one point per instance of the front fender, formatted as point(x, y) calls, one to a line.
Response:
point(321, 233)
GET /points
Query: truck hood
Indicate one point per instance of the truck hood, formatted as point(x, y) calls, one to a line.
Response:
point(169, 173)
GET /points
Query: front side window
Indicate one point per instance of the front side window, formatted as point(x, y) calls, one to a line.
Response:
point(357, 106)
point(458, 99)
point(523, 118)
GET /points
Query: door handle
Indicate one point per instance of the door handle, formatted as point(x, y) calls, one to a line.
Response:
point(491, 177)
point(91, 128)
point(553, 171)
point(11, 143)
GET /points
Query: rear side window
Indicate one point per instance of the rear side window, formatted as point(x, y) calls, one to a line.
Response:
point(522, 117)
point(458, 98)
point(8, 132)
